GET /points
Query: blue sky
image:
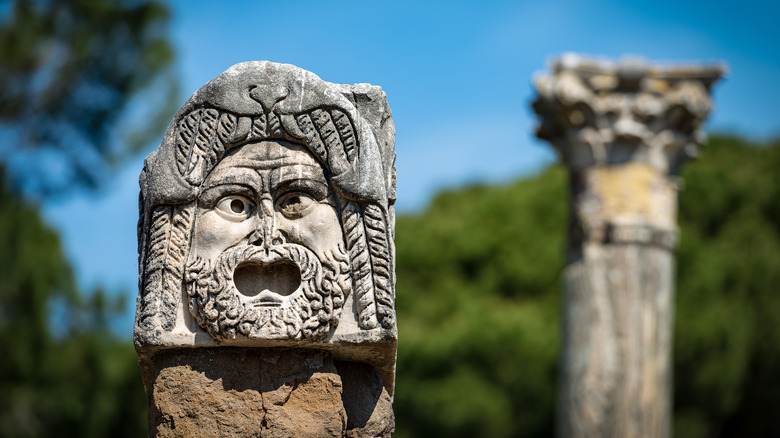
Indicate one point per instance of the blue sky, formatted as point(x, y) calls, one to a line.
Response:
point(458, 79)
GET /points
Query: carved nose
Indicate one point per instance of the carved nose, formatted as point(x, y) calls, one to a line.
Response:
point(266, 233)
point(265, 236)
point(256, 238)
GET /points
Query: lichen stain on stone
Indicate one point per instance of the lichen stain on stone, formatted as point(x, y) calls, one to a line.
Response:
point(626, 189)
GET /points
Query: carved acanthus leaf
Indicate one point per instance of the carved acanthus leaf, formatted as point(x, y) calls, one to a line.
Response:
point(379, 248)
point(362, 279)
point(168, 237)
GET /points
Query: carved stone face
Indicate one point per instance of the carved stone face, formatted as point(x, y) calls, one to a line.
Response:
point(267, 258)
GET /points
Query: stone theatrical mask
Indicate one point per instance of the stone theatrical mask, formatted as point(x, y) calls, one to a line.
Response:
point(266, 215)
point(268, 257)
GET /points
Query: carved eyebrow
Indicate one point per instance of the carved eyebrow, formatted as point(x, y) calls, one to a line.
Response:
point(236, 176)
point(283, 174)
point(211, 194)
point(316, 188)
point(304, 177)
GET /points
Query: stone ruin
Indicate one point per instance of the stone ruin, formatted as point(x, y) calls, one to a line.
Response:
point(266, 257)
point(266, 260)
point(623, 130)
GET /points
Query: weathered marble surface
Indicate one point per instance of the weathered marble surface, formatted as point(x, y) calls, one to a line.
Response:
point(623, 129)
point(267, 221)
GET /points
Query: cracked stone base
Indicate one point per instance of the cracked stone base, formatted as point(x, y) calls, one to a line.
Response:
point(221, 392)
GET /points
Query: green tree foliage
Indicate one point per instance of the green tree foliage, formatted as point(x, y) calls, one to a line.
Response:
point(83, 83)
point(478, 303)
point(69, 69)
point(62, 372)
point(727, 334)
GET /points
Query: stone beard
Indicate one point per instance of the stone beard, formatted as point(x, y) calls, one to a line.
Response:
point(268, 257)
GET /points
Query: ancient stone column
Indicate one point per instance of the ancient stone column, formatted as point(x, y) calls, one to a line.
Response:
point(623, 130)
point(266, 260)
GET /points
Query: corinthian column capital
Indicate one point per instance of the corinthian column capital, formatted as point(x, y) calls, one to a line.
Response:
point(599, 112)
point(624, 129)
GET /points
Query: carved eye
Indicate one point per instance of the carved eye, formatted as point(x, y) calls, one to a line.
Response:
point(235, 208)
point(295, 204)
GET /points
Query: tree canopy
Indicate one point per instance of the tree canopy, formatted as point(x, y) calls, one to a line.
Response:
point(477, 305)
point(63, 373)
point(479, 312)
point(72, 74)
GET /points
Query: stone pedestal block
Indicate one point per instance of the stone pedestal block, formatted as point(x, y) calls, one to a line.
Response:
point(264, 393)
